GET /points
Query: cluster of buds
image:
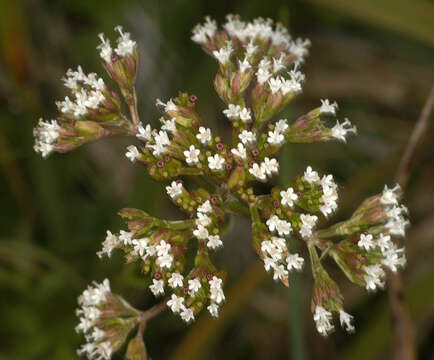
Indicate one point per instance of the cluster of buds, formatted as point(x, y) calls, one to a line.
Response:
point(258, 75)
point(106, 320)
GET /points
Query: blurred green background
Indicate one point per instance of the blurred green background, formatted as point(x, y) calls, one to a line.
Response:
point(374, 57)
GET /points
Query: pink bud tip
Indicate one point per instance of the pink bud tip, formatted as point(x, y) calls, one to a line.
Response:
point(209, 276)
point(230, 153)
point(276, 203)
point(240, 163)
point(220, 146)
point(299, 194)
point(193, 98)
point(228, 167)
point(185, 291)
point(157, 275)
point(214, 199)
point(160, 163)
point(167, 159)
point(179, 181)
point(251, 162)
point(255, 152)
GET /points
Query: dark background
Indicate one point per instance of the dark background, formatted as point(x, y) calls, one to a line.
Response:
point(374, 57)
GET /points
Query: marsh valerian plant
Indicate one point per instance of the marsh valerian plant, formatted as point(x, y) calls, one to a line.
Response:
point(258, 76)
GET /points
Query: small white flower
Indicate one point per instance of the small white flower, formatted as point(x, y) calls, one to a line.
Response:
point(194, 285)
point(327, 181)
point(308, 222)
point(311, 176)
point(270, 166)
point(174, 190)
point(251, 48)
point(390, 196)
point(392, 258)
point(269, 263)
point(288, 197)
point(327, 107)
point(258, 172)
point(247, 137)
point(275, 84)
point(192, 155)
point(224, 53)
point(244, 65)
point(283, 228)
point(163, 248)
point(108, 245)
point(213, 310)
point(165, 261)
point(245, 115)
point(201, 232)
point(201, 33)
point(322, 319)
point(329, 199)
point(125, 237)
point(240, 151)
point(176, 280)
point(169, 125)
point(281, 126)
point(278, 63)
point(272, 223)
point(280, 273)
point(203, 219)
point(216, 162)
point(345, 320)
point(157, 287)
point(105, 49)
point(169, 106)
point(397, 226)
point(366, 242)
point(294, 261)
point(187, 315)
point(275, 138)
point(214, 242)
point(384, 242)
point(144, 133)
point(140, 246)
point(339, 131)
point(125, 44)
point(176, 303)
point(232, 112)
point(374, 277)
point(204, 135)
point(133, 153)
point(262, 75)
point(205, 208)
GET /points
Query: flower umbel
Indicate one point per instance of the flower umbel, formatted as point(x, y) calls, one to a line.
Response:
point(259, 73)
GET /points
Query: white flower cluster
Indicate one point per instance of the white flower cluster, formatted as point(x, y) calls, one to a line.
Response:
point(323, 320)
point(89, 313)
point(125, 46)
point(277, 258)
point(265, 169)
point(177, 303)
point(396, 223)
point(330, 196)
point(202, 33)
point(279, 83)
point(247, 32)
point(307, 224)
point(46, 134)
point(216, 162)
point(277, 136)
point(234, 112)
point(203, 221)
point(88, 92)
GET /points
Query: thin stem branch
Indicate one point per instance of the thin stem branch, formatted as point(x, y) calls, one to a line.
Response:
point(133, 109)
point(404, 343)
point(154, 311)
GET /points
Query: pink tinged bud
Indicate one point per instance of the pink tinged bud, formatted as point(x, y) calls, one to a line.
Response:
point(186, 291)
point(214, 199)
point(192, 98)
point(255, 152)
point(160, 164)
point(220, 146)
point(276, 203)
point(167, 159)
point(251, 163)
point(209, 277)
point(157, 275)
point(228, 167)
